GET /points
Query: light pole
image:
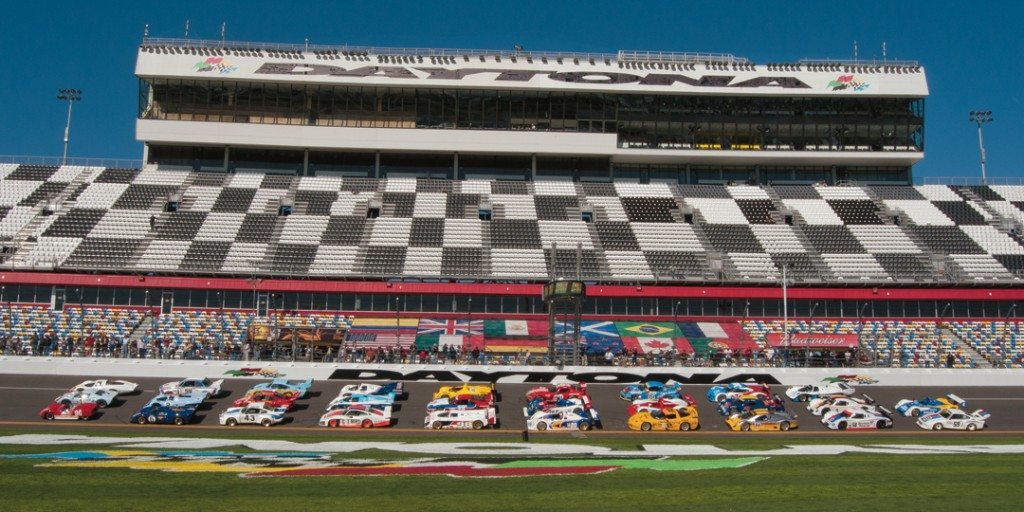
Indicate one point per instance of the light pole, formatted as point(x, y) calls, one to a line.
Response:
point(938, 326)
point(810, 330)
point(980, 117)
point(70, 96)
point(785, 316)
point(398, 321)
point(860, 333)
point(1002, 341)
point(675, 311)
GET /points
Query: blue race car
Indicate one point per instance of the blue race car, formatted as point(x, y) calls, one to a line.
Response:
point(385, 395)
point(929, 405)
point(178, 400)
point(285, 387)
point(178, 415)
point(651, 390)
point(731, 406)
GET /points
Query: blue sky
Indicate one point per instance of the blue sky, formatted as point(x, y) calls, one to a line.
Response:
point(971, 53)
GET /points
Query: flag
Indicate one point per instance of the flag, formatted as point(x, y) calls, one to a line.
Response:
point(648, 329)
point(648, 345)
point(449, 327)
point(515, 328)
point(428, 341)
point(369, 324)
point(382, 332)
point(506, 345)
point(374, 340)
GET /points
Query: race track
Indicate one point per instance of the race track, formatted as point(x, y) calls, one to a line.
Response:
point(25, 395)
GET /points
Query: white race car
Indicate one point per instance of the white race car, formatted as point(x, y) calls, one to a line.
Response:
point(811, 391)
point(178, 399)
point(954, 419)
point(357, 416)
point(563, 420)
point(475, 419)
point(858, 419)
point(100, 397)
point(822, 406)
point(192, 385)
point(253, 414)
point(365, 388)
point(120, 387)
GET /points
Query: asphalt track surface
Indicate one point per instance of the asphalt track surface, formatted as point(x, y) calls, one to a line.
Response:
point(23, 396)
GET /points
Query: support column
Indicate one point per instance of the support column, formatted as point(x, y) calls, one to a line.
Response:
point(227, 156)
point(455, 166)
point(376, 164)
point(533, 167)
point(305, 162)
point(145, 154)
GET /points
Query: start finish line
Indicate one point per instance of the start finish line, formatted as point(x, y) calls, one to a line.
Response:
point(501, 449)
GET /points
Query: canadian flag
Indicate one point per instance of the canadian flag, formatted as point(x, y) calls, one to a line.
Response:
point(655, 345)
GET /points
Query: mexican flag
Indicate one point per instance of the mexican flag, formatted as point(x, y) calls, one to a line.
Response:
point(515, 329)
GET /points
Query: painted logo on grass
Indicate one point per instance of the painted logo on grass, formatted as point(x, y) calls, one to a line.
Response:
point(254, 372)
point(216, 64)
point(848, 82)
point(278, 465)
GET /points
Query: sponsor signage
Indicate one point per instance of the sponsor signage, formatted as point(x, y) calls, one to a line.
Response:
point(800, 340)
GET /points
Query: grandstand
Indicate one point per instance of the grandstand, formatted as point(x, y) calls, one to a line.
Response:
point(371, 193)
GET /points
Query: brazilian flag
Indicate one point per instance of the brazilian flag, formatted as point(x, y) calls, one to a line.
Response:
point(648, 329)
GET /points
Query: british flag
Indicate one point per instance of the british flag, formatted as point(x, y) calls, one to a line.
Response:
point(450, 327)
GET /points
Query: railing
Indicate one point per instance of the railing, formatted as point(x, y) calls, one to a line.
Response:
point(81, 161)
point(858, 62)
point(968, 180)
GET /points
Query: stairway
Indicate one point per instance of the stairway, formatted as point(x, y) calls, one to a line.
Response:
point(980, 359)
point(141, 330)
point(996, 220)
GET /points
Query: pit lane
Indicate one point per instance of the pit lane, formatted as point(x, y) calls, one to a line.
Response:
point(24, 396)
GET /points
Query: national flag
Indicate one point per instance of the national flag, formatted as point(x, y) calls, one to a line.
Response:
point(595, 330)
point(449, 326)
point(428, 341)
point(380, 324)
point(375, 340)
point(515, 328)
point(648, 329)
point(662, 345)
point(604, 344)
point(512, 345)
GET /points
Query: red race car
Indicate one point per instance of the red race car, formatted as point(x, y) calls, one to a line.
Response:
point(271, 398)
point(82, 411)
point(659, 404)
point(559, 392)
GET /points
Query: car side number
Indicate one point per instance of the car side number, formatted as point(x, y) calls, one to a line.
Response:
point(249, 418)
point(957, 424)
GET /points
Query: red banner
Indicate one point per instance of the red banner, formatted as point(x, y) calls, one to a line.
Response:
point(800, 340)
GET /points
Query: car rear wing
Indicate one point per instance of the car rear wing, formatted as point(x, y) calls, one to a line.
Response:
point(960, 402)
point(887, 412)
point(868, 399)
point(217, 383)
point(981, 414)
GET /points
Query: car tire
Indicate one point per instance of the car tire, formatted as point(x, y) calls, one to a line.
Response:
point(841, 425)
point(142, 420)
point(101, 403)
point(332, 423)
point(231, 422)
point(584, 426)
point(436, 425)
point(266, 422)
point(880, 425)
point(179, 421)
point(366, 424)
point(915, 412)
point(745, 427)
point(784, 426)
point(720, 397)
point(477, 425)
point(684, 426)
point(972, 427)
point(645, 426)
point(542, 426)
point(48, 416)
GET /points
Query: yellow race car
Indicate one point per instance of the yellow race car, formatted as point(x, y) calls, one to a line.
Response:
point(453, 392)
point(683, 418)
point(760, 420)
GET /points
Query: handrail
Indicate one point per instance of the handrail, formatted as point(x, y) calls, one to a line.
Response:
point(79, 161)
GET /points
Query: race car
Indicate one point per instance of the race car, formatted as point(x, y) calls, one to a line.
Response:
point(761, 420)
point(475, 419)
point(859, 419)
point(683, 418)
point(826, 405)
point(812, 391)
point(357, 416)
point(285, 387)
point(651, 390)
point(270, 398)
point(465, 389)
point(954, 419)
point(369, 389)
point(193, 384)
point(745, 403)
point(177, 399)
point(178, 415)
point(548, 405)
point(562, 419)
point(119, 387)
point(100, 397)
point(252, 414)
point(659, 404)
point(734, 389)
point(462, 402)
point(385, 395)
point(559, 392)
point(80, 411)
point(929, 405)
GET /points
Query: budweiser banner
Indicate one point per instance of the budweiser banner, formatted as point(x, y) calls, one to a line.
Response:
point(801, 340)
